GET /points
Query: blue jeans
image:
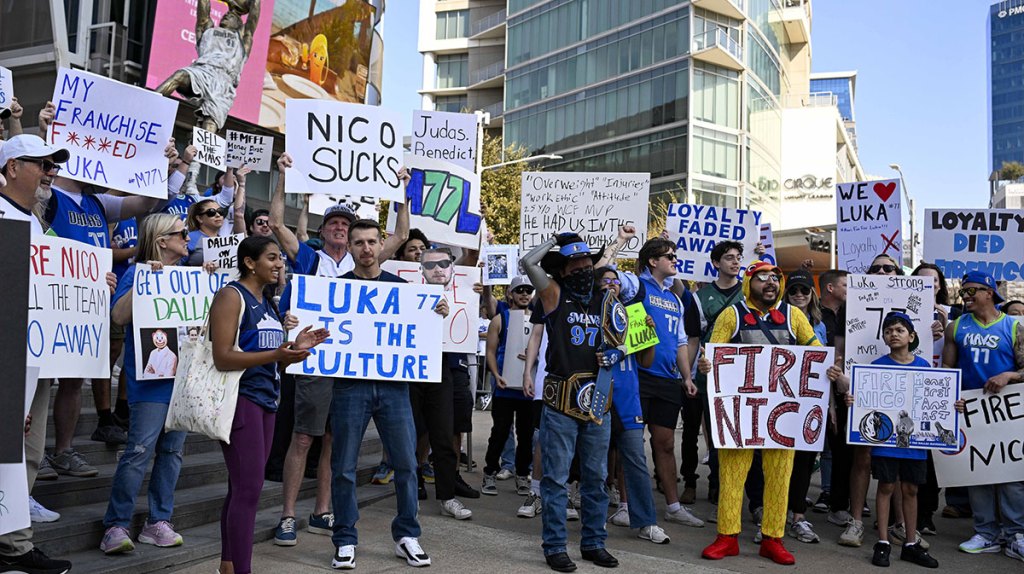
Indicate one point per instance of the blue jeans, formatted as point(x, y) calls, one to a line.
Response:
point(508, 454)
point(146, 437)
point(559, 437)
point(1010, 506)
point(638, 481)
point(354, 403)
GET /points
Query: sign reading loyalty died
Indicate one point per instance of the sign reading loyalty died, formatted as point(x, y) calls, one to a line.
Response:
point(639, 335)
point(223, 251)
point(460, 326)
point(905, 407)
point(869, 223)
point(116, 133)
point(769, 396)
point(6, 91)
point(963, 240)
point(444, 202)
point(594, 205)
point(335, 146)
point(249, 149)
point(446, 136)
point(696, 229)
point(870, 298)
point(379, 331)
point(990, 448)
point(211, 149)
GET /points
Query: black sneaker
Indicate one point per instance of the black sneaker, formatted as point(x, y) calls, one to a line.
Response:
point(110, 434)
point(422, 494)
point(464, 490)
point(918, 555)
point(33, 562)
point(882, 552)
point(822, 503)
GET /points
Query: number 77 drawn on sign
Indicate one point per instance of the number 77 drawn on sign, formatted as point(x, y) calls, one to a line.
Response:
point(882, 313)
point(442, 197)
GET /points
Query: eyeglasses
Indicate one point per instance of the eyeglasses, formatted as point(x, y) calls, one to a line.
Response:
point(972, 291)
point(182, 233)
point(443, 264)
point(800, 290)
point(766, 277)
point(46, 165)
point(261, 222)
point(611, 282)
point(522, 290)
point(671, 255)
point(886, 268)
point(213, 212)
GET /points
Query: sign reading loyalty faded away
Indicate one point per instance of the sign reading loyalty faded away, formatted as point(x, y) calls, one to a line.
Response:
point(446, 136)
point(335, 146)
point(594, 205)
point(869, 222)
point(991, 447)
point(211, 149)
point(69, 309)
point(116, 133)
point(870, 298)
point(460, 326)
point(250, 149)
point(378, 331)
point(444, 202)
point(769, 396)
point(224, 251)
point(696, 229)
point(905, 407)
point(169, 308)
point(989, 240)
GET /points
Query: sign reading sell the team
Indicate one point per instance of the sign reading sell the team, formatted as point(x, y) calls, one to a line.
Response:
point(69, 309)
point(639, 335)
point(991, 450)
point(696, 229)
point(460, 326)
point(169, 308)
point(769, 396)
point(339, 145)
point(870, 298)
point(519, 329)
point(250, 149)
point(116, 133)
point(378, 330)
point(446, 136)
point(869, 223)
point(224, 251)
point(594, 205)
point(904, 407)
point(963, 240)
point(211, 149)
point(444, 202)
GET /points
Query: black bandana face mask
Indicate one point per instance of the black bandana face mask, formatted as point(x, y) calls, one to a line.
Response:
point(580, 284)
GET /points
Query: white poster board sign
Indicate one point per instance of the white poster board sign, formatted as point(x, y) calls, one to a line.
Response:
point(211, 149)
point(6, 88)
point(250, 149)
point(512, 368)
point(445, 136)
point(444, 202)
point(336, 145)
point(116, 133)
point(379, 331)
point(594, 205)
point(69, 309)
point(905, 407)
point(696, 229)
point(224, 251)
point(962, 240)
point(870, 298)
point(989, 450)
point(768, 242)
point(366, 207)
point(460, 326)
point(501, 263)
point(14, 477)
point(869, 222)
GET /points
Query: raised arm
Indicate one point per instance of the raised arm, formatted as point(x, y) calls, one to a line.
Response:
point(549, 291)
point(289, 243)
point(302, 227)
point(626, 232)
point(250, 26)
point(203, 20)
point(394, 241)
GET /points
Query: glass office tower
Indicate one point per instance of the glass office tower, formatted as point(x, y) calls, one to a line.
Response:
point(1006, 82)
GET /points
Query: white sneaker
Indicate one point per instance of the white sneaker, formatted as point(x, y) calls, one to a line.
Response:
point(803, 531)
point(409, 548)
point(654, 533)
point(759, 535)
point(614, 498)
point(344, 557)
point(840, 518)
point(531, 506)
point(490, 485)
point(685, 517)
point(1015, 546)
point(853, 535)
point(40, 513)
point(979, 544)
point(505, 474)
point(454, 508)
point(571, 514)
point(620, 518)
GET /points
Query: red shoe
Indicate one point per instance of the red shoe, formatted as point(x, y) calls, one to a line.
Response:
point(723, 546)
point(773, 548)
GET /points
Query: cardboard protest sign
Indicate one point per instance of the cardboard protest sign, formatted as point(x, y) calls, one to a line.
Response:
point(15, 513)
point(378, 330)
point(639, 335)
point(14, 260)
point(696, 229)
point(869, 222)
point(962, 240)
point(870, 298)
point(211, 149)
point(223, 250)
point(460, 328)
point(519, 329)
point(594, 205)
point(338, 145)
point(6, 90)
point(769, 396)
point(444, 202)
point(905, 407)
point(501, 263)
point(169, 309)
point(446, 136)
point(116, 133)
point(69, 309)
point(990, 449)
point(768, 242)
point(249, 149)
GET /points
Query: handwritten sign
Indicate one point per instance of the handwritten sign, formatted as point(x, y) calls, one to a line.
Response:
point(962, 240)
point(870, 298)
point(444, 202)
point(211, 149)
point(335, 144)
point(69, 309)
point(460, 333)
point(639, 335)
point(905, 407)
point(224, 251)
point(696, 229)
point(990, 449)
point(249, 149)
point(501, 263)
point(446, 136)
point(869, 222)
point(379, 331)
point(168, 309)
point(594, 205)
point(768, 242)
point(519, 329)
point(116, 133)
point(6, 89)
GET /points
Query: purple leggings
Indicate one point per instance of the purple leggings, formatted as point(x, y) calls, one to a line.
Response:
point(246, 457)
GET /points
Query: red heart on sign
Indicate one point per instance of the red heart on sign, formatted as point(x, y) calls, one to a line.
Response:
point(885, 191)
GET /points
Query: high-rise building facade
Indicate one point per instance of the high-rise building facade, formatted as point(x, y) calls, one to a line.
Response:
point(1006, 82)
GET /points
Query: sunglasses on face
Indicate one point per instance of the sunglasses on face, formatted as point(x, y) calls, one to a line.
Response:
point(885, 268)
point(261, 222)
point(212, 212)
point(183, 233)
point(800, 290)
point(523, 290)
point(443, 264)
point(46, 165)
point(611, 282)
point(971, 291)
point(671, 255)
point(766, 277)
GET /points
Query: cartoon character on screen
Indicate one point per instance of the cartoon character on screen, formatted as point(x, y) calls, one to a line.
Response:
point(318, 60)
point(904, 428)
point(162, 361)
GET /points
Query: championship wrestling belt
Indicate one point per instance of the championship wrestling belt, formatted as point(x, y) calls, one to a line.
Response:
point(613, 335)
point(573, 396)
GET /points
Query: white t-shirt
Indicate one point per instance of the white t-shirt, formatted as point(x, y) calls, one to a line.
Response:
point(162, 363)
point(11, 210)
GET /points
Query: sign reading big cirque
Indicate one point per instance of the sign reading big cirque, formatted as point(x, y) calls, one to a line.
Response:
point(869, 222)
point(870, 298)
point(769, 396)
point(962, 240)
point(696, 229)
point(991, 447)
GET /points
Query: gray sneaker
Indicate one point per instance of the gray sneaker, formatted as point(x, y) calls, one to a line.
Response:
point(71, 463)
point(490, 485)
point(803, 531)
point(854, 534)
point(46, 471)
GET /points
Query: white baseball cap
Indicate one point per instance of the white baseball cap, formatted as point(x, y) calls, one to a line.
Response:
point(31, 146)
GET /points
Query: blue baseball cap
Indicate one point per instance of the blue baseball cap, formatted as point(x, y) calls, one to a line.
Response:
point(982, 278)
point(900, 317)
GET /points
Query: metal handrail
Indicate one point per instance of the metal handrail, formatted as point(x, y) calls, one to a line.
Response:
point(488, 22)
point(492, 71)
point(718, 37)
point(811, 100)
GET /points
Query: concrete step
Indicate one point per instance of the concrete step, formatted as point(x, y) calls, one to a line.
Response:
point(87, 420)
point(98, 453)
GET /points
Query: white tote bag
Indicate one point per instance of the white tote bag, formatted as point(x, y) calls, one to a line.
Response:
point(204, 398)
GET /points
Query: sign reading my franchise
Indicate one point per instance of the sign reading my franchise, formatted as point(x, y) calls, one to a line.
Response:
point(224, 251)
point(249, 149)
point(444, 202)
point(639, 335)
point(519, 329)
point(446, 136)
point(990, 450)
point(905, 407)
point(869, 223)
point(460, 326)
point(696, 229)
point(337, 145)
point(378, 330)
point(962, 240)
point(501, 263)
point(169, 309)
point(870, 298)
point(768, 242)
point(769, 396)
point(6, 90)
point(116, 133)
point(594, 205)
point(69, 309)
point(211, 149)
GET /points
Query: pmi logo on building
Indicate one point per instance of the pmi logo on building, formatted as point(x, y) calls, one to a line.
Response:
point(1012, 11)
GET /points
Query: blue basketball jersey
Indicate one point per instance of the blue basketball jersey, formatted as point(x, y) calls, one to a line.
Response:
point(125, 236)
point(984, 350)
point(626, 393)
point(179, 206)
point(86, 222)
point(260, 330)
point(667, 311)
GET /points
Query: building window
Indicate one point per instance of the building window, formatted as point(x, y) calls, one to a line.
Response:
point(452, 24)
point(715, 153)
point(716, 95)
point(455, 104)
point(453, 71)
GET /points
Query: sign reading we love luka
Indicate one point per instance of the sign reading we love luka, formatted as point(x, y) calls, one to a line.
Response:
point(868, 223)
